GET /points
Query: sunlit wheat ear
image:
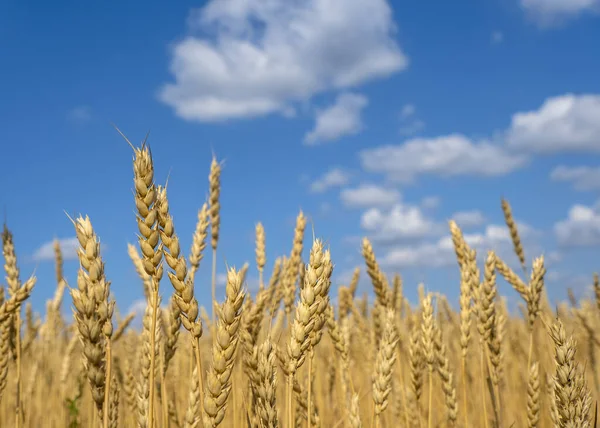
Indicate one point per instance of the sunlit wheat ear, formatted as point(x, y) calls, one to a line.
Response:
point(573, 400)
point(14, 316)
point(214, 207)
point(267, 385)
point(115, 393)
point(178, 275)
point(172, 325)
point(534, 291)
point(416, 359)
point(261, 252)
point(375, 273)
point(533, 396)
point(354, 412)
point(214, 210)
point(514, 233)
point(93, 310)
point(198, 242)
point(11, 305)
point(149, 240)
point(446, 376)
point(459, 243)
point(511, 277)
point(384, 363)
point(193, 413)
point(218, 383)
point(294, 265)
point(4, 355)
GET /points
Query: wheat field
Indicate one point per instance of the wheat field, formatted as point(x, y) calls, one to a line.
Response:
point(291, 355)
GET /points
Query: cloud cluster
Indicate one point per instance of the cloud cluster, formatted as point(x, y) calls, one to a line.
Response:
point(369, 195)
point(441, 252)
point(581, 228)
point(581, 177)
point(563, 123)
point(551, 12)
point(340, 119)
point(449, 155)
point(335, 177)
point(401, 222)
point(264, 56)
point(566, 123)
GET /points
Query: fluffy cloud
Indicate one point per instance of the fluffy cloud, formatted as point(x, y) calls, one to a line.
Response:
point(402, 221)
point(549, 12)
point(467, 219)
point(68, 246)
point(267, 55)
point(563, 123)
point(342, 118)
point(368, 195)
point(450, 155)
point(333, 178)
point(581, 228)
point(582, 177)
point(441, 253)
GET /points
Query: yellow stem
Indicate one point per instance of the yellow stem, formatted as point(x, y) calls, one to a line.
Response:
point(152, 353)
point(214, 284)
point(464, 384)
point(481, 364)
point(430, 413)
point(107, 383)
point(196, 345)
point(309, 401)
point(163, 390)
point(18, 408)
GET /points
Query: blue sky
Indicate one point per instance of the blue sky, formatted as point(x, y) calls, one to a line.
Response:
point(380, 119)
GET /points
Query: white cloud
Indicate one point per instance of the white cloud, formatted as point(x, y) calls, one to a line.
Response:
point(550, 12)
point(267, 55)
point(335, 177)
point(497, 37)
point(402, 221)
point(467, 219)
point(581, 228)
point(441, 253)
point(368, 195)
point(582, 177)
point(342, 118)
point(68, 246)
point(449, 155)
point(563, 123)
